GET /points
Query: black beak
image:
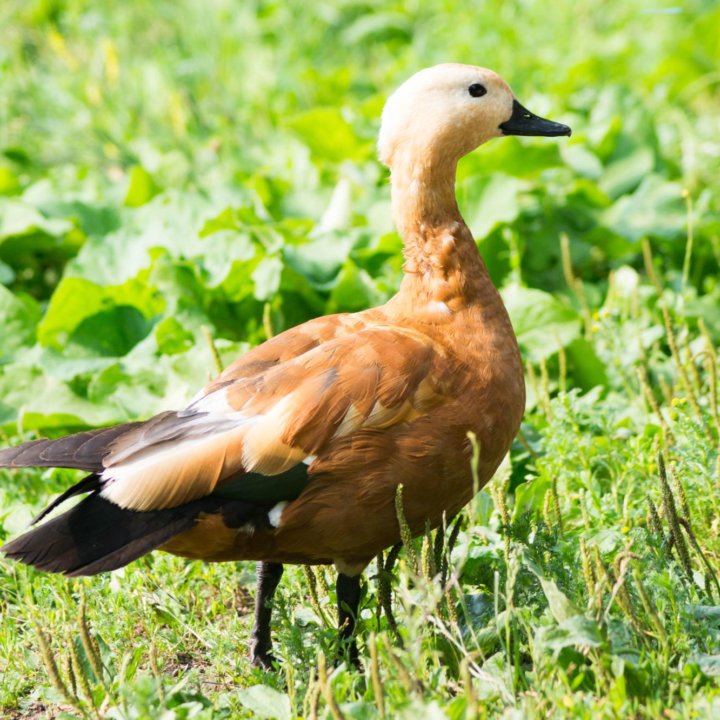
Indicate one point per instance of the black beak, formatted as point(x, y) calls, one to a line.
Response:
point(523, 122)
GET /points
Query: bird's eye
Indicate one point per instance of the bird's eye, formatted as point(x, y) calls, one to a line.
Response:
point(477, 90)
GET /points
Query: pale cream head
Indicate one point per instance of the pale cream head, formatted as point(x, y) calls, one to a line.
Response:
point(446, 111)
point(434, 111)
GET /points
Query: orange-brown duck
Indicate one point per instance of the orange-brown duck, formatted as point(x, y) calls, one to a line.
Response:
point(294, 453)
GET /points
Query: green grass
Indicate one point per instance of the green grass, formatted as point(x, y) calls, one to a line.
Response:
point(175, 166)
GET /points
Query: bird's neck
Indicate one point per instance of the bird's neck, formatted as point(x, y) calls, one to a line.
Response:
point(442, 264)
point(423, 196)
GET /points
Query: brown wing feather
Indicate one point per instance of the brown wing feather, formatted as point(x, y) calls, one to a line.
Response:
point(369, 379)
point(83, 450)
point(287, 345)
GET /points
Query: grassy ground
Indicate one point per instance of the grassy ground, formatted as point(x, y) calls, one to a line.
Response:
point(171, 167)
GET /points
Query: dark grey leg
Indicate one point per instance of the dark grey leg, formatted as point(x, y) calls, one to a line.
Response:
point(268, 577)
point(348, 598)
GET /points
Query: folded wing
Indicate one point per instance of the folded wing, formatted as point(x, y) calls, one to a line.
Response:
point(271, 421)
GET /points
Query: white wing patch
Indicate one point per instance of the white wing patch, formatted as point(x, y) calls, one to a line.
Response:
point(219, 441)
point(174, 473)
point(215, 403)
point(275, 514)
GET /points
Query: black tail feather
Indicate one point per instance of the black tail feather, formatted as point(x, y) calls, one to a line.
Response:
point(96, 535)
point(83, 450)
point(87, 484)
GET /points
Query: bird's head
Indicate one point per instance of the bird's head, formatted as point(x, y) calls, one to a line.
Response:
point(446, 111)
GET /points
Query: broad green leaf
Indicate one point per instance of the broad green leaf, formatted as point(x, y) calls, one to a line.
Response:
point(20, 218)
point(655, 208)
point(587, 369)
point(110, 333)
point(7, 274)
point(328, 135)
point(141, 187)
point(519, 158)
point(266, 702)
point(491, 201)
point(93, 218)
point(319, 260)
point(530, 496)
point(709, 664)
point(44, 402)
point(354, 290)
point(707, 308)
point(221, 251)
point(168, 225)
point(576, 631)
point(172, 338)
point(76, 300)
point(626, 173)
point(19, 316)
point(9, 183)
point(582, 160)
point(542, 323)
point(705, 613)
point(560, 606)
point(607, 539)
point(266, 277)
point(378, 27)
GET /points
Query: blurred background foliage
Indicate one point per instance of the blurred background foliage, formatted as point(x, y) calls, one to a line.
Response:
point(174, 168)
point(180, 164)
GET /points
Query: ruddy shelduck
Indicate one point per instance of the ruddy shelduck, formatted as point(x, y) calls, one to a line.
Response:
point(294, 453)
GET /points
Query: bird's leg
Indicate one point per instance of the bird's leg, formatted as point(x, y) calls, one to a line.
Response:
point(268, 577)
point(384, 588)
point(348, 600)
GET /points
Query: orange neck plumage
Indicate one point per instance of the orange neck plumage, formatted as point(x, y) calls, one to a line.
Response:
point(442, 265)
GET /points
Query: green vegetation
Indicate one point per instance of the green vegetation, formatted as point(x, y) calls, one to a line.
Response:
point(172, 166)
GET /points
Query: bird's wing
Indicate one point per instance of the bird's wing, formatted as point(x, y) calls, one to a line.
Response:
point(274, 420)
point(286, 346)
